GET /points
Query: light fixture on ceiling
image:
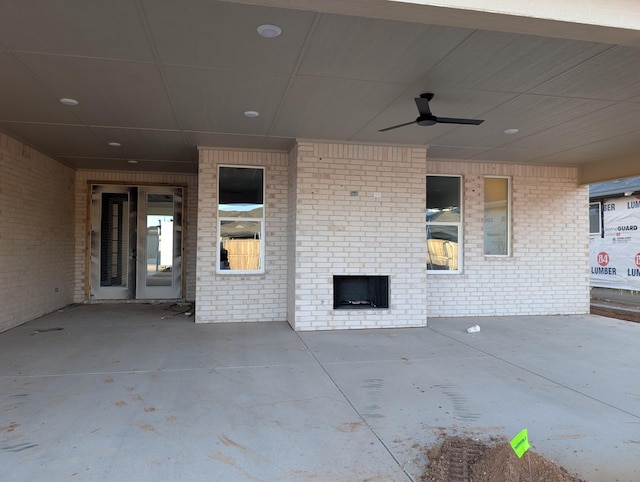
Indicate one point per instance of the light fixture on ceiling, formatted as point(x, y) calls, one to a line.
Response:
point(511, 131)
point(114, 144)
point(69, 101)
point(251, 114)
point(269, 31)
point(132, 161)
point(628, 194)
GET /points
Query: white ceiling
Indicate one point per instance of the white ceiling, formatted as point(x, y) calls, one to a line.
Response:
point(162, 77)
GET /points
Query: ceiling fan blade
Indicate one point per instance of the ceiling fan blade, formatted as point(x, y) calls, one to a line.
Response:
point(426, 118)
point(452, 120)
point(422, 103)
point(395, 127)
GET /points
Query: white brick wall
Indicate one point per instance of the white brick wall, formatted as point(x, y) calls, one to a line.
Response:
point(84, 178)
point(36, 234)
point(326, 231)
point(548, 270)
point(291, 236)
point(230, 297)
point(340, 234)
point(314, 230)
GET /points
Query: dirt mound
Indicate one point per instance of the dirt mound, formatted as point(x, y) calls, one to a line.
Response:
point(469, 460)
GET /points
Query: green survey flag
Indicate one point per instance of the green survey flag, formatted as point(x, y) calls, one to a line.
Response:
point(520, 443)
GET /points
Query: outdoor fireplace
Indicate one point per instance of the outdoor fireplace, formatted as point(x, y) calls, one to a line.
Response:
point(360, 292)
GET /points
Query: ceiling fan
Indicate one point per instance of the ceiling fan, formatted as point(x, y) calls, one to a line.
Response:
point(426, 118)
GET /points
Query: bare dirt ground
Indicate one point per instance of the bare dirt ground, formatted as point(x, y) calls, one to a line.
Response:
point(471, 460)
point(613, 312)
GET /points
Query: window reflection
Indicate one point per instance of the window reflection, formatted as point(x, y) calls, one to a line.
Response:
point(443, 222)
point(159, 240)
point(496, 216)
point(442, 247)
point(443, 199)
point(241, 218)
point(240, 245)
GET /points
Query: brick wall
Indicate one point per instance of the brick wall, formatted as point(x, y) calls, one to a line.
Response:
point(548, 270)
point(36, 234)
point(291, 236)
point(359, 210)
point(315, 229)
point(242, 297)
point(131, 178)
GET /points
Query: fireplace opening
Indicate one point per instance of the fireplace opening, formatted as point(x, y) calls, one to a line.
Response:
point(360, 292)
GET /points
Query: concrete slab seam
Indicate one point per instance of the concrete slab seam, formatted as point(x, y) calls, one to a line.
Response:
point(537, 374)
point(388, 450)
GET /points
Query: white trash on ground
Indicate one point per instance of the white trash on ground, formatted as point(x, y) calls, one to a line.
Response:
point(473, 329)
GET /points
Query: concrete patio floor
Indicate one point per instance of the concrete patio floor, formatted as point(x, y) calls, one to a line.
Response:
point(131, 392)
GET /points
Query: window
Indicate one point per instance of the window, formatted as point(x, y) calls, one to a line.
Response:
point(497, 214)
point(595, 219)
point(241, 219)
point(444, 224)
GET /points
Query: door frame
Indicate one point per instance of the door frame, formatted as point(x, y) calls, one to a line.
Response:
point(128, 184)
point(126, 259)
point(144, 291)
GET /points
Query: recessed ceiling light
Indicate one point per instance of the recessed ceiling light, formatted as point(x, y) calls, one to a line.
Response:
point(269, 31)
point(115, 144)
point(132, 161)
point(251, 114)
point(511, 131)
point(69, 101)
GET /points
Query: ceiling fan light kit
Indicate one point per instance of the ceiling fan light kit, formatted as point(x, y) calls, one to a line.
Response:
point(426, 118)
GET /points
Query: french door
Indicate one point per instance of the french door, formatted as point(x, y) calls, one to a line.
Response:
point(136, 242)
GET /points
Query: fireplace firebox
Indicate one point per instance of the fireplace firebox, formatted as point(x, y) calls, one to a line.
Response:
point(360, 292)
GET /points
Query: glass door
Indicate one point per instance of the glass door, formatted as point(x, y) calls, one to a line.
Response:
point(159, 260)
point(113, 245)
point(136, 243)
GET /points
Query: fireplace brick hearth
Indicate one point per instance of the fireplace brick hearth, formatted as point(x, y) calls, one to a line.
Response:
point(359, 214)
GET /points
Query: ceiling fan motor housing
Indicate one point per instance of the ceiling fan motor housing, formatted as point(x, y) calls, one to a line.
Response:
point(426, 120)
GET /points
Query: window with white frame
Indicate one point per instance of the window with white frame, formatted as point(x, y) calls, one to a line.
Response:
point(241, 219)
point(595, 218)
point(497, 215)
point(444, 224)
